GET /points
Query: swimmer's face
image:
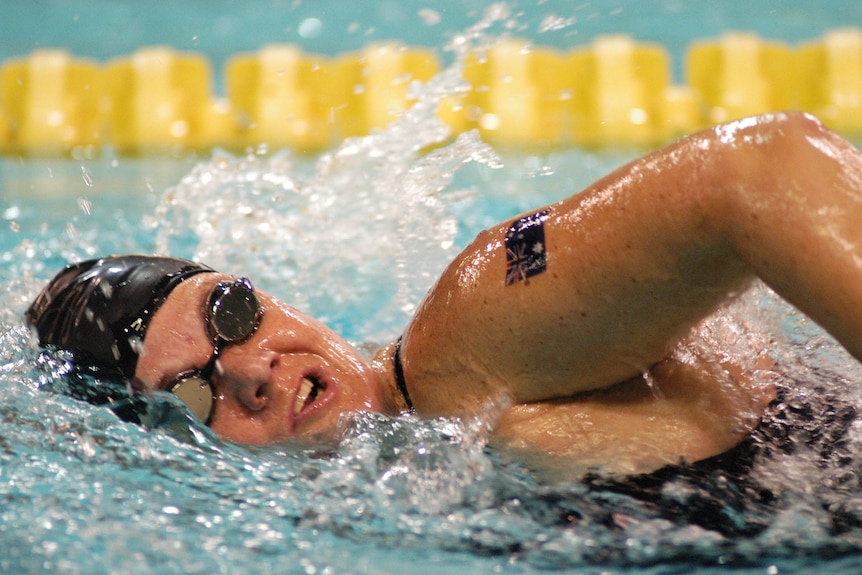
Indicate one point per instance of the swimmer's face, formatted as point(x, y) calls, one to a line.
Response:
point(291, 379)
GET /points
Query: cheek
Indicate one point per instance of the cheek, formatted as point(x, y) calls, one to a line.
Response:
point(360, 393)
point(232, 422)
point(248, 430)
point(165, 357)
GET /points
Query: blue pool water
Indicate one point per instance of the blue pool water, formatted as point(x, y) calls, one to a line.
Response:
point(83, 492)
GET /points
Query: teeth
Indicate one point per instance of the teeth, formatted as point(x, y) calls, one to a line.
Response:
point(305, 389)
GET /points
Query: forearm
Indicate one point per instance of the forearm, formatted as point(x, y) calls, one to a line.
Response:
point(796, 220)
point(691, 407)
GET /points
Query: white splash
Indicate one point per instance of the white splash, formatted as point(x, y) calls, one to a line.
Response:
point(327, 237)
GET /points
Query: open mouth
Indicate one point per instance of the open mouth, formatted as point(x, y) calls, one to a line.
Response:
point(309, 390)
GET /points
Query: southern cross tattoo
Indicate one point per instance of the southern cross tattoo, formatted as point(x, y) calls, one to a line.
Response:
point(525, 248)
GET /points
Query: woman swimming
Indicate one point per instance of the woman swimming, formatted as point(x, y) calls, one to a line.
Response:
point(550, 319)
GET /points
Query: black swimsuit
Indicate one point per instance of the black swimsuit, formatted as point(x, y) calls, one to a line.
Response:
point(722, 495)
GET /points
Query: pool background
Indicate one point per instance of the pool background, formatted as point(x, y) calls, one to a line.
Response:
point(84, 493)
point(222, 28)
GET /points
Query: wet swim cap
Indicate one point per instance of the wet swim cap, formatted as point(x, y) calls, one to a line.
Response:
point(100, 309)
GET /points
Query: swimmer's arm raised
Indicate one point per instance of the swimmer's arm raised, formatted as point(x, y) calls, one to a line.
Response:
point(640, 257)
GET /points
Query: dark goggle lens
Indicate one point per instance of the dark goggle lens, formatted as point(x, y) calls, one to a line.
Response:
point(197, 394)
point(232, 315)
point(234, 311)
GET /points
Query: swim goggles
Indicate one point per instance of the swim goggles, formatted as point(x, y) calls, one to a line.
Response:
point(232, 315)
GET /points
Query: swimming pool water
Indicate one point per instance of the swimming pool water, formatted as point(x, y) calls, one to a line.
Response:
point(104, 29)
point(356, 237)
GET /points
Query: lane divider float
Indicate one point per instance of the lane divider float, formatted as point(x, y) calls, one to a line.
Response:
point(614, 91)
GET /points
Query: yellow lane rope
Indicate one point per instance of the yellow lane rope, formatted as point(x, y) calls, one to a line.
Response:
point(614, 91)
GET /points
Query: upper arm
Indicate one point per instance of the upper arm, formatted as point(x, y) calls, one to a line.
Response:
point(637, 259)
point(628, 269)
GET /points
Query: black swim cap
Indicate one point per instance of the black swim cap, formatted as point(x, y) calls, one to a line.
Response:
point(100, 309)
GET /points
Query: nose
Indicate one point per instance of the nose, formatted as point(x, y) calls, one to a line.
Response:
point(244, 380)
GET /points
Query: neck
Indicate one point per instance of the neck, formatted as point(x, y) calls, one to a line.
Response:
point(383, 365)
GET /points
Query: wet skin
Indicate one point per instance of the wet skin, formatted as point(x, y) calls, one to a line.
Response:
point(259, 382)
point(634, 264)
point(261, 399)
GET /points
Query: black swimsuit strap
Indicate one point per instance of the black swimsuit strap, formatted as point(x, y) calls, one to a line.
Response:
point(399, 376)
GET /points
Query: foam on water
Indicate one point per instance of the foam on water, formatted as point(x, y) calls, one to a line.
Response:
point(356, 237)
point(328, 241)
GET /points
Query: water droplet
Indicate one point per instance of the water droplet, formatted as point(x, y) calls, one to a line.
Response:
point(553, 22)
point(87, 176)
point(310, 28)
point(85, 205)
point(429, 16)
